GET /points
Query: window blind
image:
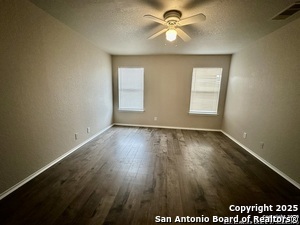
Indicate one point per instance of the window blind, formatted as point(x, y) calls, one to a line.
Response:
point(131, 89)
point(205, 90)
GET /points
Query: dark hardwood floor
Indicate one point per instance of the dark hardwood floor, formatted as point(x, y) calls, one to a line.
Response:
point(131, 175)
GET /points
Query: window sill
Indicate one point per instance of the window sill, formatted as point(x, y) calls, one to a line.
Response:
point(131, 110)
point(203, 114)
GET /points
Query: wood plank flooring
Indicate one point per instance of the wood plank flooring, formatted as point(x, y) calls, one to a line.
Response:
point(130, 175)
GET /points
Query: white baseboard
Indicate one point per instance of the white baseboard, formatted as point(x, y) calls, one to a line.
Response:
point(166, 127)
point(264, 161)
point(30, 177)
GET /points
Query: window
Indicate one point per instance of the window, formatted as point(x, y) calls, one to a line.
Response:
point(205, 90)
point(131, 89)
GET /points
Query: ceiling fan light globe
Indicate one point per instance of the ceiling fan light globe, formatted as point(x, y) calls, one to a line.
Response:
point(171, 35)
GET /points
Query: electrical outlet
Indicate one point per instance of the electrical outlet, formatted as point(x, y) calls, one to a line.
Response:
point(76, 136)
point(155, 118)
point(245, 135)
point(88, 130)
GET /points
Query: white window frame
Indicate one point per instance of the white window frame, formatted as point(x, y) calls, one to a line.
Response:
point(125, 71)
point(217, 89)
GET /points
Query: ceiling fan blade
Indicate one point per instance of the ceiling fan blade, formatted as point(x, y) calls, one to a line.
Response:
point(155, 19)
point(158, 33)
point(193, 19)
point(183, 35)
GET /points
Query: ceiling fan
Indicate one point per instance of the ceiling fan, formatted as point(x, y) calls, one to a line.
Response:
point(173, 22)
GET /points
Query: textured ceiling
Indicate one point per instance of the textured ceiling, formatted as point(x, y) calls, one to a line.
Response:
point(118, 26)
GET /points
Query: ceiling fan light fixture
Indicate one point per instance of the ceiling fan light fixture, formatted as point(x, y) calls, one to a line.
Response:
point(172, 22)
point(171, 35)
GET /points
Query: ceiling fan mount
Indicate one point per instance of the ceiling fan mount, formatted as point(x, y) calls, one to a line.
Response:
point(172, 16)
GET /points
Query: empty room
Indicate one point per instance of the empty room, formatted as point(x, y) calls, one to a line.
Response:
point(149, 111)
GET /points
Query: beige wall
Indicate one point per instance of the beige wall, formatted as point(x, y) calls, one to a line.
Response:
point(167, 90)
point(263, 98)
point(53, 84)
